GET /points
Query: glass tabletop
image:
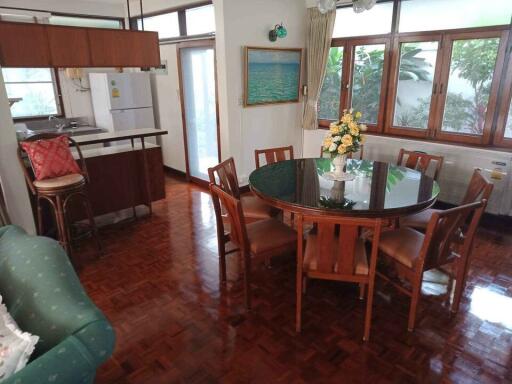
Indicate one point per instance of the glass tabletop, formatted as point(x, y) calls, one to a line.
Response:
point(378, 189)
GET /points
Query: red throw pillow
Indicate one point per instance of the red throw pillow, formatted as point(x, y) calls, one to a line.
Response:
point(51, 157)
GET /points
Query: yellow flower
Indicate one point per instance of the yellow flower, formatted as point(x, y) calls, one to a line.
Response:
point(347, 140)
point(327, 143)
point(334, 128)
point(342, 149)
point(347, 118)
point(354, 129)
point(358, 115)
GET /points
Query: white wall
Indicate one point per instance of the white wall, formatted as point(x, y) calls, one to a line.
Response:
point(11, 177)
point(247, 23)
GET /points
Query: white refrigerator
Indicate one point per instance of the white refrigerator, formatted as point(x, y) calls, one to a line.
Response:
point(122, 101)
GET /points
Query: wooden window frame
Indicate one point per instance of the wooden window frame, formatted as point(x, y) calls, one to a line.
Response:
point(448, 40)
point(58, 99)
point(393, 86)
point(182, 20)
point(347, 71)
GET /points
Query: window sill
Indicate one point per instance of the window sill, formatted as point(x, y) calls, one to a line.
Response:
point(436, 141)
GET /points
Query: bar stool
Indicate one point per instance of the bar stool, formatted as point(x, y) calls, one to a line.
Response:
point(58, 192)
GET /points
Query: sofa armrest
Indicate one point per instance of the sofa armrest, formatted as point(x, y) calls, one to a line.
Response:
point(73, 361)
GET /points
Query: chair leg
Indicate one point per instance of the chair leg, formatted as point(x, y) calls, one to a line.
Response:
point(292, 219)
point(305, 285)
point(64, 234)
point(369, 307)
point(222, 261)
point(92, 223)
point(415, 298)
point(362, 288)
point(298, 313)
point(246, 259)
point(460, 282)
point(39, 217)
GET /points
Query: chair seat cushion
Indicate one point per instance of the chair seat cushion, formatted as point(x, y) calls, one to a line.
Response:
point(419, 220)
point(255, 208)
point(311, 255)
point(50, 158)
point(59, 182)
point(266, 236)
point(403, 245)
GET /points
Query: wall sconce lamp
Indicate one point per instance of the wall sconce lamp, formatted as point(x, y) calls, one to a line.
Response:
point(278, 31)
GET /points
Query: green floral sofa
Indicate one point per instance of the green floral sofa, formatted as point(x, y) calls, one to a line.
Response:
point(42, 292)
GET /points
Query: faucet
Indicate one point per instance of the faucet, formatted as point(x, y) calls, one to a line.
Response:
point(59, 126)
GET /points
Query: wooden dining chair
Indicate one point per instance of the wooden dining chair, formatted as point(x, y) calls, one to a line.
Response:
point(259, 240)
point(333, 250)
point(447, 242)
point(479, 188)
point(273, 155)
point(420, 161)
point(224, 176)
point(350, 155)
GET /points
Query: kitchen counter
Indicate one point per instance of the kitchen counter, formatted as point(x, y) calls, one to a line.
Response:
point(118, 136)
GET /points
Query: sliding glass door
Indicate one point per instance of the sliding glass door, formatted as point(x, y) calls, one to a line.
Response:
point(199, 107)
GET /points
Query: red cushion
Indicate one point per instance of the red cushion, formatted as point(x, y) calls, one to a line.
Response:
point(51, 157)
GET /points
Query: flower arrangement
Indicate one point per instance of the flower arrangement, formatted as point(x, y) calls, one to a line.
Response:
point(345, 135)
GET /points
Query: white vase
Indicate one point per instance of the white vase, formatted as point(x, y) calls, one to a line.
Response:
point(339, 165)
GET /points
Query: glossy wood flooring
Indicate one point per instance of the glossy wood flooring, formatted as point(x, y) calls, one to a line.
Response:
point(158, 285)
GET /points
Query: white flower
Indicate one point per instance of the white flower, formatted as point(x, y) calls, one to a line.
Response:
point(333, 147)
point(363, 127)
point(336, 139)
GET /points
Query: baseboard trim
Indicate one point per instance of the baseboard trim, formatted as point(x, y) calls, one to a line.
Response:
point(175, 172)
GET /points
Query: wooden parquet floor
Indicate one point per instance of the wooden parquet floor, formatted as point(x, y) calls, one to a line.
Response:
point(158, 285)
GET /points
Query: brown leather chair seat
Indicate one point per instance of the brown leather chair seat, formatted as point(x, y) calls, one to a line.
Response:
point(60, 182)
point(403, 245)
point(270, 235)
point(419, 220)
point(255, 208)
point(311, 256)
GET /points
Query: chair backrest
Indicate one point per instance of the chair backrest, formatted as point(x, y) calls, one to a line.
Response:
point(420, 161)
point(337, 240)
point(47, 136)
point(447, 234)
point(273, 155)
point(224, 176)
point(233, 207)
point(479, 188)
point(350, 155)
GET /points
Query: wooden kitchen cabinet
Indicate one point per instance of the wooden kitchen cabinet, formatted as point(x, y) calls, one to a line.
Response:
point(22, 44)
point(37, 45)
point(69, 47)
point(124, 48)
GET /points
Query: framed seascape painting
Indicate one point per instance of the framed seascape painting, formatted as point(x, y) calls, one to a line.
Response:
point(272, 75)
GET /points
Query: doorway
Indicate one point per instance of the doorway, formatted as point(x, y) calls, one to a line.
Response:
point(199, 107)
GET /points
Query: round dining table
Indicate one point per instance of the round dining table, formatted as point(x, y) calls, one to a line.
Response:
point(377, 189)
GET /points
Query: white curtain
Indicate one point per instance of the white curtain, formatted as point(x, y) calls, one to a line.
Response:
point(318, 44)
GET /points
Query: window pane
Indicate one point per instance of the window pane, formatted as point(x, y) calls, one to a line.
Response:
point(415, 79)
point(38, 99)
point(374, 22)
point(469, 86)
point(430, 15)
point(329, 103)
point(26, 74)
point(200, 20)
point(508, 128)
point(367, 79)
point(85, 22)
point(166, 25)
